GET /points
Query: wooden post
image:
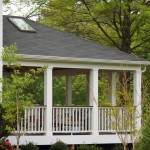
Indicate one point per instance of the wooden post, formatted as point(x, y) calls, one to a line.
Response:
point(48, 99)
point(137, 97)
point(94, 99)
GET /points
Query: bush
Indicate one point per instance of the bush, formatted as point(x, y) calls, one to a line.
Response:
point(145, 136)
point(29, 146)
point(59, 145)
point(88, 147)
point(2, 147)
point(118, 147)
point(3, 123)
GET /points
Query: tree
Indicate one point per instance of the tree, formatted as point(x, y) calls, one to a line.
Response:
point(122, 28)
point(123, 24)
point(15, 94)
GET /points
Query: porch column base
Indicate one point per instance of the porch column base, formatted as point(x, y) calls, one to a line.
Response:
point(48, 133)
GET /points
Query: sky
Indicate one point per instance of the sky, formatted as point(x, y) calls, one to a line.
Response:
point(17, 9)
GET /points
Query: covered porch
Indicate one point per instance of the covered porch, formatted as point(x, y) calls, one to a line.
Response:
point(53, 119)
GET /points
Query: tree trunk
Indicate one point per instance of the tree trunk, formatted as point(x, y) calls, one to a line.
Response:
point(124, 147)
point(18, 122)
point(17, 148)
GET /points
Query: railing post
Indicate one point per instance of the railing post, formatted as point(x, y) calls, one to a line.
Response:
point(48, 99)
point(94, 99)
point(1, 45)
point(137, 97)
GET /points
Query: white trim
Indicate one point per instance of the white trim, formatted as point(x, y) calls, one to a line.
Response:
point(93, 94)
point(79, 65)
point(68, 139)
point(89, 60)
point(137, 97)
point(48, 99)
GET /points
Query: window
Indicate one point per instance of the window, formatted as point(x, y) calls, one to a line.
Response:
point(21, 24)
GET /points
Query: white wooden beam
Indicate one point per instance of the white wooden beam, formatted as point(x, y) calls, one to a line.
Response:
point(69, 72)
point(1, 46)
point(48, 99)
point(80, 65)
point(137, 97)
point(94, 98)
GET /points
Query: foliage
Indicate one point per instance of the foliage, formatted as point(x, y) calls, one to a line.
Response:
point(2, 147)
point(79, 86)
point(9, 55)
point(37, 90)
point(29, 146)
point(123, 28)
point(103, 87)
point(2, 141)
point(14, 94)
point(118, 147)
point(3, 123)
point(88, 147)
point(145, 137)
point(59, 90)
point(104, 103)
point(14, 91)
point(59, 145)
point(145, 133)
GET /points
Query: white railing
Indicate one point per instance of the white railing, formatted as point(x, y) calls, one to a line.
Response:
point(33, 120)
point(71, 119)
point(112, 119)
point(76, 119)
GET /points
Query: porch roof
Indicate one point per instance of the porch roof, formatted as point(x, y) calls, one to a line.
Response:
point(49, 43)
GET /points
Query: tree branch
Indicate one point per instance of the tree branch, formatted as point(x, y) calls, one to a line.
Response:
point(100, 27)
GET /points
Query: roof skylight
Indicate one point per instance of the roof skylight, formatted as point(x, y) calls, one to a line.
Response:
point(21, 24)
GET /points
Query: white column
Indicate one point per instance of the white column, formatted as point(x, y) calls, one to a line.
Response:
point(94, 98)
point(113, 89)
point(1, 46)
point(137, 97)
point(48, 88)
point(69, 90)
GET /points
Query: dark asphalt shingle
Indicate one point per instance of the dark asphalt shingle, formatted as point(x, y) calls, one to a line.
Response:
point(48, 41)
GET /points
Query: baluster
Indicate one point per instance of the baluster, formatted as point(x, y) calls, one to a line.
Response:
point(79, 118)
point(25, 119)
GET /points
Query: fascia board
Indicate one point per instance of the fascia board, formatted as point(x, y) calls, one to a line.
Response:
point(81, 60)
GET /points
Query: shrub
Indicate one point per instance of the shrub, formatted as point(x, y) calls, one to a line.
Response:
point(88, 147)
point(29, 146)
point(145, 136)
point(2, 147)
point(59, 145)
point(118, 147)
point(3, 123)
